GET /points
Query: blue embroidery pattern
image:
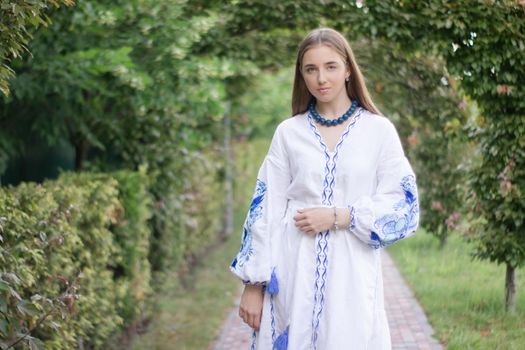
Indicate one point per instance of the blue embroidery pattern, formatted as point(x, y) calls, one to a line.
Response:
point(322, 237)
point(254, 214)
point(254, 339)
point(395, 226)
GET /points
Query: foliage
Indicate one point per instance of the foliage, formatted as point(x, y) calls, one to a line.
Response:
point(131, 235)
point(60, 256)
point(126, 85)
point(482, 44)
point(197, 307)
point(191, 219)
point(268, 102)
point(418, 95)
point(91, 80)
point(18, 18)
point(497, 189)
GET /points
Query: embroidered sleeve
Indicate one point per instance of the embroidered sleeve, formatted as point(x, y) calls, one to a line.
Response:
point(253, 263)
point(392, 213)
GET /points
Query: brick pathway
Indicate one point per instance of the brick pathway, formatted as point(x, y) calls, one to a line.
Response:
point(409, 327)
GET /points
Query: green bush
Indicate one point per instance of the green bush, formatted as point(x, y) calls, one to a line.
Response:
point(188, 221)
point(76, 246)
point(132, 237)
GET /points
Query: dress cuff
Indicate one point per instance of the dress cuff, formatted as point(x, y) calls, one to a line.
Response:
point(351, 224)
point(254, 283)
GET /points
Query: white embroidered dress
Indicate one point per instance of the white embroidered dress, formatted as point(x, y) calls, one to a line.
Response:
point(330, 287)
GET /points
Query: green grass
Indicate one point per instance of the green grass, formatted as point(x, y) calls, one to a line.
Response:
point(190, 318)
point(463, 298)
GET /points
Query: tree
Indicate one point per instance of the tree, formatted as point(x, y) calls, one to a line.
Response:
point(18, 18)
point(483, 46)
point(123, 84)
point(417, 93)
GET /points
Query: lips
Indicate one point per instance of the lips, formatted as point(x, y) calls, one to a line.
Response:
point(323, 90)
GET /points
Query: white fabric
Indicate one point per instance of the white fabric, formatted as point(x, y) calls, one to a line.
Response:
point(330, 286)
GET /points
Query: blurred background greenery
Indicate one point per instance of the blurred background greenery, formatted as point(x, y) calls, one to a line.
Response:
point(131, 133)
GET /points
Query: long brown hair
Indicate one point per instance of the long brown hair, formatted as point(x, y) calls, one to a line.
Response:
point(355, 88)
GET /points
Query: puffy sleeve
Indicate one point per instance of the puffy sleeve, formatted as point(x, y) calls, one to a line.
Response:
point(253, 263)
point(392, 213)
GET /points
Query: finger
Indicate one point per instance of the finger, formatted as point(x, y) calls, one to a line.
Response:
point(304, 226)
point(303, 223)
point(252, 320)
point(302, 220)
point(299, 217)
point(308, 231)
point(301, 227)
point(258, 322)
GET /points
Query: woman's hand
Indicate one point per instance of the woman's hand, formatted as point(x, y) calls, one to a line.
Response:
point(250, 309)
point(314, 220)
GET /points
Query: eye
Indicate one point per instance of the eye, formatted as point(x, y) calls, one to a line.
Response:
point(310, 70)
point(332, 67)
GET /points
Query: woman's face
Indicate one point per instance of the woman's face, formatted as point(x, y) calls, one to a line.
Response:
point(324, 73)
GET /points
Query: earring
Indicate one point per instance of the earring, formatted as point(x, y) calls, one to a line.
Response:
point(347, 78)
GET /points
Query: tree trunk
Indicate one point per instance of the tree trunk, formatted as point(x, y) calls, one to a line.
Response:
point(228, 176)
point(443, 241)
point(81, 150)
point(510, 289)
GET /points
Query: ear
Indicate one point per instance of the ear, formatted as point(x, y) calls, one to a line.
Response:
point(348, 73)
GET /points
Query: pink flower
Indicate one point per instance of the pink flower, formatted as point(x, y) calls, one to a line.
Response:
point(452, 221)
point(504, 89)
point(437, 205)
point(412, 139)
point(505, 186)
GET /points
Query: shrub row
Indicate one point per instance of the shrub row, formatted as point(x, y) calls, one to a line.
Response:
point(189, 218)
point(76, 253)
point(73, 256)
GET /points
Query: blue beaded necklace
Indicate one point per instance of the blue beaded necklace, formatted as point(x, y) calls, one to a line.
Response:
point(333, 122)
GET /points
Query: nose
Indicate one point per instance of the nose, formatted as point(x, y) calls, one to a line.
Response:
point(321, 77)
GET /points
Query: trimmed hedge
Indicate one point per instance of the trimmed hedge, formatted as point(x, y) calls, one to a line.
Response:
point(75, 252)
point(73, 259)
point(189, 219)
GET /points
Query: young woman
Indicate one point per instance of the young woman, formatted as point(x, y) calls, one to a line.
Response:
point(334, 187)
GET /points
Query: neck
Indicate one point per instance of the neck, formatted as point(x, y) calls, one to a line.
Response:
point(333, 109)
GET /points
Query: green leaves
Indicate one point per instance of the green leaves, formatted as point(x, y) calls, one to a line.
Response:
point(77, 246)
point(480, 44)
point(35, 344)
point(3, 326)
point(27, 308)
point(18, 20)
point(4, 286)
